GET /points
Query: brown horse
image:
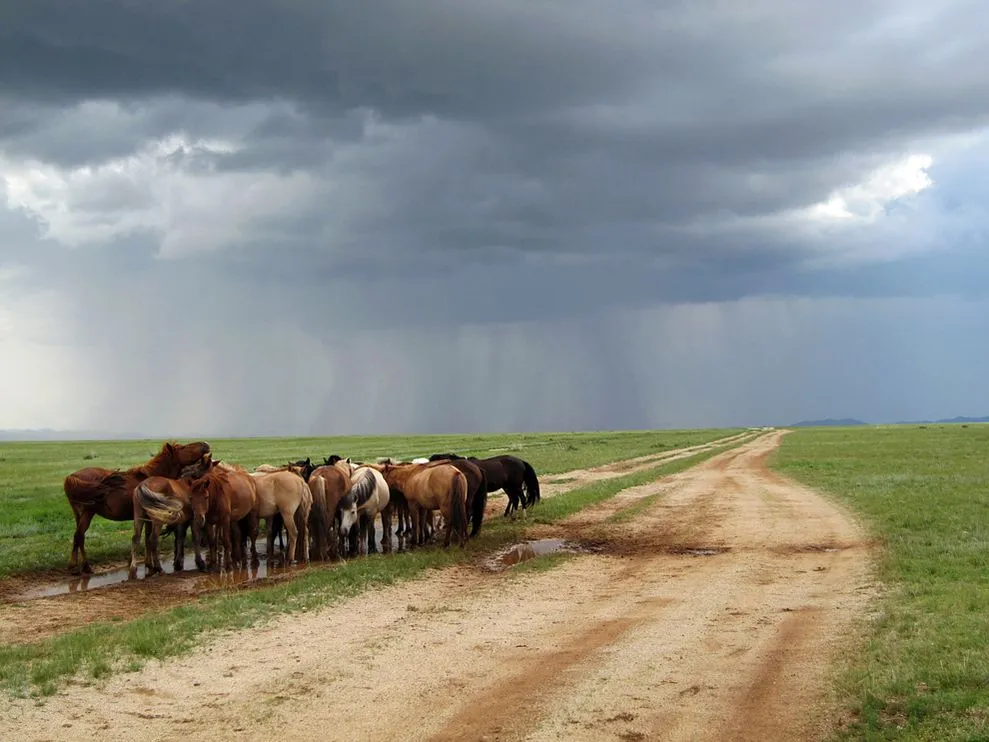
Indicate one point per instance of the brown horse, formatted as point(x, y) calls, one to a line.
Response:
point(328, 486)
point(161, 501)
point(429, 487)
point(110, 493)
point(224, 496)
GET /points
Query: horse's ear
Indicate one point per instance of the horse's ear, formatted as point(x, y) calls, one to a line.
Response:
point(348, 460)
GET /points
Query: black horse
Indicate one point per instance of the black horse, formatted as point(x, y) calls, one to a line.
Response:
point(509, 473)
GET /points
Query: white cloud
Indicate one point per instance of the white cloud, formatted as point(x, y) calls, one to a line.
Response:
point(867, 201)
point(169, 188)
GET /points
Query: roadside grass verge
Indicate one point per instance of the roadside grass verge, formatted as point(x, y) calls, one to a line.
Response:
point(923, 673)
point(100, 649)
point(36, 523)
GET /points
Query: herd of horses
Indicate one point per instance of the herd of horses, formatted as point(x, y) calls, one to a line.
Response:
point(328, 510)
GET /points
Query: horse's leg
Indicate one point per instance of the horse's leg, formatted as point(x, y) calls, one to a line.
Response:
point(83, 520)
point(155, 541)
point(414, 522)
point(148, 546)
point(288, 520)
point(386, 529)
point(447, 514)
point(224, 530)
point(362, 534)
point(178, 552)
point(253, 526)
point(134, 543)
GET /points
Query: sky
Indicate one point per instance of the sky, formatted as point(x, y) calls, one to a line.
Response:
point(302, 217)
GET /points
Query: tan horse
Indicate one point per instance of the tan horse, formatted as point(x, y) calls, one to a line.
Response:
point(160, 501)
point(432, 487)
point(110, 493)
point(286, 492)
point(225, 496)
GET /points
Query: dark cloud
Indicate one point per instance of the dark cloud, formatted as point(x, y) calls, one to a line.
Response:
point(257, 216)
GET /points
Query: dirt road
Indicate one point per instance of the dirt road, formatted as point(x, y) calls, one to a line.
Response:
point(711, 615)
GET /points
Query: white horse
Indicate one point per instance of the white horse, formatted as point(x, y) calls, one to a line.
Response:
point(368, 497)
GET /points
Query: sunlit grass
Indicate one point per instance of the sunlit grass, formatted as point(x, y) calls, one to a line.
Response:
point(923, 673)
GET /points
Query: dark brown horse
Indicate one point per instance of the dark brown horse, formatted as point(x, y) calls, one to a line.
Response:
point(509, 473)
point(110, 493)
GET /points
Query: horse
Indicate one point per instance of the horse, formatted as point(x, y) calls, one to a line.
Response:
point(509, 473)
point(429, 487)
point(371, 495)
point(477, 491)
point(162, 501)
point(224, 496)
point(328, 485)
point(284, 491)
point(109, 493)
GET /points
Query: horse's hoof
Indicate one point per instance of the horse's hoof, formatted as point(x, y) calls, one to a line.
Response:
point(201, 565)
point(177, 566)
point(86, 569)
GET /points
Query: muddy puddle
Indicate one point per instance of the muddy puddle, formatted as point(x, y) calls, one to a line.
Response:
point(530, 550)
point(189, 577)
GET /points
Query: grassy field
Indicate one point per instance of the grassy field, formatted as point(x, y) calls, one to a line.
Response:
point(102, 648)
point(924, 672)
point(36, 523)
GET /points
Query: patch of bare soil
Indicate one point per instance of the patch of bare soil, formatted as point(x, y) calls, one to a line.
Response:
point(712, 615)
point(69, 602)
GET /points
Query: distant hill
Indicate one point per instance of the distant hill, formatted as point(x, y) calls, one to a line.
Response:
point(945, 421)
point(843, 422)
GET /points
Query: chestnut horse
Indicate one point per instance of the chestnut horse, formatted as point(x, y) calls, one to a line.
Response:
point(226, 495)
point(110, 493)
point(329, 485)
point(429, 487)
point(162, 501)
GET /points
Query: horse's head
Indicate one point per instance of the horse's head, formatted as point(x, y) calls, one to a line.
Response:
point(306, 467)
point(199, 498)
point(347, 512)
point(332, 459)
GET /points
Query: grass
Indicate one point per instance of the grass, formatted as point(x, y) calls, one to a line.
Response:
point(102, 648)
point(36, 524)
point(923, 673)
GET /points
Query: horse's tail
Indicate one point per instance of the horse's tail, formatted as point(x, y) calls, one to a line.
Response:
point(319, 524)
point(458, 507)
point(160, 507)
point(531, 482)
point(90, 492)
point(478, 503)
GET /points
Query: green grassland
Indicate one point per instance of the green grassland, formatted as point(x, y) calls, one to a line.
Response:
point(36, 523)
point(103, 648)
point(923, 673)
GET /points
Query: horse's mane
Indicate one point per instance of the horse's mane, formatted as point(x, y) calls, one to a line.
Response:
point(362, 490)
point(389, 460)
point(166, 453)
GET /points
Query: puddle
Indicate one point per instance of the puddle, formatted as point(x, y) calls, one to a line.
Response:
point(209, 580)
point(529, 550)
point(85, 583)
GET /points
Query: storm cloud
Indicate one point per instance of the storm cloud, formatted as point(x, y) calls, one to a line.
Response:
point(325, 217)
